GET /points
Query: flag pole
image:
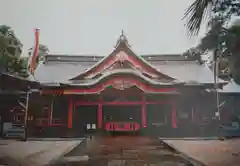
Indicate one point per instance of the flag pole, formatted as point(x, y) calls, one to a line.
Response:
point(26, 115)
point(26, 108)
point(216, 75)
point(32, 63)
point(217, 92)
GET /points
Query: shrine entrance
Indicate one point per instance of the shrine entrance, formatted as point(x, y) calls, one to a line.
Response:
point(119, 109)
point(85, 119)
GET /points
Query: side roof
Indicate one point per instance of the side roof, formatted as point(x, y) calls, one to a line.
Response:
point(14, 82)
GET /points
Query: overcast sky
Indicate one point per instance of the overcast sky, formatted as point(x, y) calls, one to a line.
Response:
point(93, 26)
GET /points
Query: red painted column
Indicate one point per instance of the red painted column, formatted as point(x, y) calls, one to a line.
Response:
point(143, 112)
point(174, 115)
point(70, 113)
point(100, 113)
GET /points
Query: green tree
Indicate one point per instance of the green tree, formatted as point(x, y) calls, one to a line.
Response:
point(42, 52)
point(9, 44)
point(226, 40)
point(18, 66)
point(10, 52)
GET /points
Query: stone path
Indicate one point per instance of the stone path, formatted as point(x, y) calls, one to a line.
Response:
point(123, 150)
point(36, 153)
point(210, 152)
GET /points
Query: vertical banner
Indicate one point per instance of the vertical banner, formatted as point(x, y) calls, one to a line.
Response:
point(34, 54)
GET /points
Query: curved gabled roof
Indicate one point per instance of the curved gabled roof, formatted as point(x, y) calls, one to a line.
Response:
point(123, 47)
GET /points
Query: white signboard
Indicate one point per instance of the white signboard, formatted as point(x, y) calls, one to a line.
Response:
point(88, 126)
point(93, 126)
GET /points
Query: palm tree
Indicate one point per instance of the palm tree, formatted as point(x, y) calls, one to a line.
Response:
point(195, 15)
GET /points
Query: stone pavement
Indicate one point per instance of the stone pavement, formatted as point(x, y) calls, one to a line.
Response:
point(6, 142)
point(36, 153)
point(210, 152)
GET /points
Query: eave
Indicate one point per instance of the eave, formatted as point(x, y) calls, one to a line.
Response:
point(13, 82)
point(120, 73)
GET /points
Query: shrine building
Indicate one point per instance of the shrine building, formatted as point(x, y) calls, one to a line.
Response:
point(122, 92)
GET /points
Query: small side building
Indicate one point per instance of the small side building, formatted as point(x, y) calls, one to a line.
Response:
point(230, 101)
point(13, 96)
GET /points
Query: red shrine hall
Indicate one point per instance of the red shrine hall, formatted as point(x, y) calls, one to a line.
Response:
point(121, 92)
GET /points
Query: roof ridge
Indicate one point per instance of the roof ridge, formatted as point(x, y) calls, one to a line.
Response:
point(93, 58)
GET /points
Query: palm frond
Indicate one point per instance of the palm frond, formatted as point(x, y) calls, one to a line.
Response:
point(195, 15)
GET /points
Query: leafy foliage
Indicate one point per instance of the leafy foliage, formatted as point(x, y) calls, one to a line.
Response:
point(9, 44)
point(227, 7)
point(42, 52)
point(224, 40)
point(14, 65)
point(199, 9)
point(10, 51)
point(194, 54)
point(195, 15)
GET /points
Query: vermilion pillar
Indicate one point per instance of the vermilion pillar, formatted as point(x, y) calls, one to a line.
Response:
point(100, 116)
point(100, 113)
point(143, 112)
point(174, 115)
point(70, 113)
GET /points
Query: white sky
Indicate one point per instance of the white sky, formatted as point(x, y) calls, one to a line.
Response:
point(93, 26)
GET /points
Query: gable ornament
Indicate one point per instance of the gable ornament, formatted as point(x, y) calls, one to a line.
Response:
point(122, 84)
